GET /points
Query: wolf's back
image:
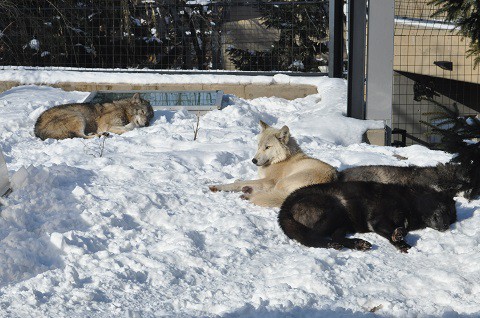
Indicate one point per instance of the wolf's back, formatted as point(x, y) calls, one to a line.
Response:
point(65, 121)
point(443, 177)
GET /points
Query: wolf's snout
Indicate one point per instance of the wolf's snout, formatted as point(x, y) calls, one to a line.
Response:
point(255, 161)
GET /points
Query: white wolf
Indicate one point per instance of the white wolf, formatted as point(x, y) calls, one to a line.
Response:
point(282, 167)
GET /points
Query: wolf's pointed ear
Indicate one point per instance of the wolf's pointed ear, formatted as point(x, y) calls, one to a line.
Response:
point(136, 97)
point(263, 125)
point(284, 134)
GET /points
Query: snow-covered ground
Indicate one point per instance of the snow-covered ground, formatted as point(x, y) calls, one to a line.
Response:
point(136, 232)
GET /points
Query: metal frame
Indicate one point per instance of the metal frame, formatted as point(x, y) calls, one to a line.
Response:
point(166, 72)
point(4, 180)
point(379, 99)
point(370, 76)
point(335, 39)
point(217, 93)
point(356, 58)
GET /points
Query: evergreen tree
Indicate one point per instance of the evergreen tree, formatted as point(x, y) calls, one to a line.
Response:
point(108, 33)
point(301, 45)
point(465, 14)
point(460, 135)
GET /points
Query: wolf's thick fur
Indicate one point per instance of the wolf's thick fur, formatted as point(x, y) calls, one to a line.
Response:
point(89, 120)
point(283, 168)
point(443, 177)
point(321, 215)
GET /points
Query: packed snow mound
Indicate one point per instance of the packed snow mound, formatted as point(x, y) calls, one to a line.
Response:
point(133, 230)
point(40, 208)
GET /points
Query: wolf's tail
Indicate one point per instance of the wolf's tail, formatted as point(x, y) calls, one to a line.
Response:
point(38, 129)
point(473, 191)
point(470, 176)
point(469, 159)
point(301, 233)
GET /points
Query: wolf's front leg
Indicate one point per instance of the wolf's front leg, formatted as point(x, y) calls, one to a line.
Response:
point(272, 198)
point(121, 129)
point(354, 243)
point(395, 235)
point(398, 239)
point(254, 185)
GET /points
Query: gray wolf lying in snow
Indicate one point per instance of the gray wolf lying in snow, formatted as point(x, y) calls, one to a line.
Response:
point(282, 168)
point(86, 120)
point(449, 177)
point(321, 215)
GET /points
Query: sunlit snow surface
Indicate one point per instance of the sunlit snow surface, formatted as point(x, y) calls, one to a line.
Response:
point(137, 233)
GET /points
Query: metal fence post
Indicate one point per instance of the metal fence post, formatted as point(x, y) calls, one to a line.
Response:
point(4, 180)
point(356, 58)
point(335, 39)
point(381, 15)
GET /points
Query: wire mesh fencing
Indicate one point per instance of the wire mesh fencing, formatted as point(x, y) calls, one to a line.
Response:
point(258, 35)
point(430, 61)
point(430, 57)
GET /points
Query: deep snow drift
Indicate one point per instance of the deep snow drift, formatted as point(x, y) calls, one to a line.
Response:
point(137, 233)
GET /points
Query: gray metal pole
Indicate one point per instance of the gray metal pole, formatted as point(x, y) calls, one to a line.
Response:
point(356, 58)
point(335, 39)
point(381, 15)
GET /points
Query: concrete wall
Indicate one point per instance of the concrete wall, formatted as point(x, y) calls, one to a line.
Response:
point(420, 40)
point(247, 91)
point(417, 47)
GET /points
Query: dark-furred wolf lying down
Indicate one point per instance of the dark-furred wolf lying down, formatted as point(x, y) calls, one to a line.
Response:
point(86, 120)
point(321, 215)
point(450, 177)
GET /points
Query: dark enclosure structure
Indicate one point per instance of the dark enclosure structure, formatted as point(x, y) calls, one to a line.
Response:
point(242, 35)
point(430, 60)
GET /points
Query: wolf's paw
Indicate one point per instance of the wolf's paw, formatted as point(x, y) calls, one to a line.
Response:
point(104, 134)
point(362, 245)
point(403, 247)
point(398, 234)
point(335, 245)
point(247, 189)
point(213, 188)
point(245, 196)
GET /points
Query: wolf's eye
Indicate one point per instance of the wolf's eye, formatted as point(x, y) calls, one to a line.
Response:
point(266, 147)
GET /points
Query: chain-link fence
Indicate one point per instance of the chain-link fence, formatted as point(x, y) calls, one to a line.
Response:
point(430, 58)
point(430, 61)
point(259, 35)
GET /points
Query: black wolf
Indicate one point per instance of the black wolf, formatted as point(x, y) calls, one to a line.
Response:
point(321, 215)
